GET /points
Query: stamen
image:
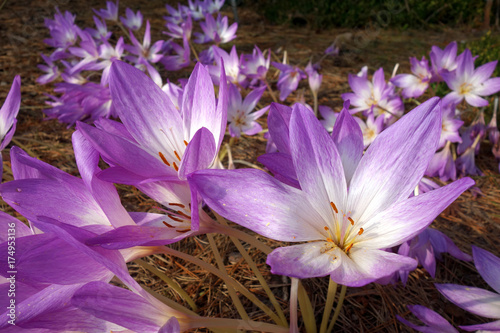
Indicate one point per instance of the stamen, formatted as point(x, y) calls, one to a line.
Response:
point(182, 231)
point(361, 230)
point(326, 228)
point(177, 204)
point(175, 166)
point(329, 240)
point(185, 142)
point(175, 218)
point(168, 225)
point(183, 214)
point(334, 207)
point(348, 248)
point(177, 155)
point(163, 158)
point(351, 220)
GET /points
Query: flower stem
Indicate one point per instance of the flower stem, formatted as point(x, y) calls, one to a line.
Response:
point(229, 231)
point(194, 51)
point(332, 291)
point(222, 268)
point(338, 308)
point(213, 323)
point(293, 305)
point(307, 310)
point(273, 96)
point(171, 283)
point(257, 273)
point(315, 97)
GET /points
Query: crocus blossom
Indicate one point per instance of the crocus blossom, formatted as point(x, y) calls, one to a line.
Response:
point(8, 114)
point(239, 112)
point(443, 61)
point(111, 11)
point(289, 79)
point(469, 83)
point(479, 301)
point(414, 85)
point(132, 21)
point(346, 229)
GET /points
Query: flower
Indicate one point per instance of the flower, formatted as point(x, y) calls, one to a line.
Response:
point(479, 301)
point(216, 31)
point(110, 13)
point(346, 229)
point(443, 61)
point(414, 85)
point(239, 115)
point(132, 21)
point(469, 83)
point(8, 114)
point(289, 78)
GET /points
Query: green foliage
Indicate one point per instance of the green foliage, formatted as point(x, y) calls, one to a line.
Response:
point(360, 13)
point(486, 49)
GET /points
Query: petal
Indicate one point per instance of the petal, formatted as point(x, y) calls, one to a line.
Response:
point(431, 318)
point(395, 161)
point(302, 261)
point(119, 306)
point(144, 108)
point(10, 107)
point(281, 165)
point(488, 265)
point(199, 153)
point(317, 162)
point(278, 122)
point(483, 73)
point(475, 300)
point(476, 101)
point(9, 222)
point(492, 327)
point(407, 218)
point(452, 98)
point(259, 202)
point(348, 139)
point(489, 87)
point(364, 266)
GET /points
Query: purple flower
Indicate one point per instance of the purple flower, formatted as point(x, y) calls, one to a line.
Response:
point(180, 60)
point(314, 78)
point(51, 70)
point(146, 51)
point(469, 83)
point(329, 117)
point(332, 50)
point(132, 21)
point(450, 126)
point(109, 54)
point(63, 30)
point(442, 165)
point(255, 66)
point(101, 32)
point(231, 64)
point(176, 15)
point(443, 61)
point(479, 301)
point(346, 228)
point(182, 29)
point(110, 13)
point(239, 115)
point(435, 323)
point(289, 79)
point(371, 128)
point(414, 85)
point(428, 246)
point(174, 92)
point(375, 97)
point(89, 53)
point(466, 164)
point(216, 31)
point(8, 114)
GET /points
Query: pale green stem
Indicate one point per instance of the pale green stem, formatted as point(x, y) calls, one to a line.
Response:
point(194, 51)
point(307, 310)
point(226, 148)
point(332, 291)
point(235, 284)
point(229, 231)
point(273, 96)
point(167, 301)
point(315, 98)
point(171, 283)
point(338, 308)
point(222, 269)
point(294, 328)
point(248, 164)
point(256, 271)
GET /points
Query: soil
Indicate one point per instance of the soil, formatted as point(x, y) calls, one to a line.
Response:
point(473, 219)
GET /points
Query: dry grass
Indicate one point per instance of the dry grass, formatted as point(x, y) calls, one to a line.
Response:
point(470, 220)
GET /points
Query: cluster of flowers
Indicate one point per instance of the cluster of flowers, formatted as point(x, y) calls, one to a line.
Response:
point(381, 105)
point(82, 55)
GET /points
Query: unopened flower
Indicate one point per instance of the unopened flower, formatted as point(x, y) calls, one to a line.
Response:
point(8, 114)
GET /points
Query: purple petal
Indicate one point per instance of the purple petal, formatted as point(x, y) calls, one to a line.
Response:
point(476, 101)
point(317, 162)
point(10, 107)
point(475, 300)
point(395, 161)
point(281, 165)
point(304, 260)
point(489, 87)
point(488, 265)
point(143, 107)
point(199, 153)
point(278, 123)
point(483, 73)
point(348, 139)
point(259, 202)
point(492, 327)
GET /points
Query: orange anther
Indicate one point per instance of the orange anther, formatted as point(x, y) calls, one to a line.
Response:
point(175, 166)
point(163, 158)
point(348, 248)
point(183, 214)
point(175, 218)
point(185, 142)
point(326, 228)
point(168, 225)
point(361, 230)
point(177, 204)
point(351, 220)
point(334, 207)
point(177, 155)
